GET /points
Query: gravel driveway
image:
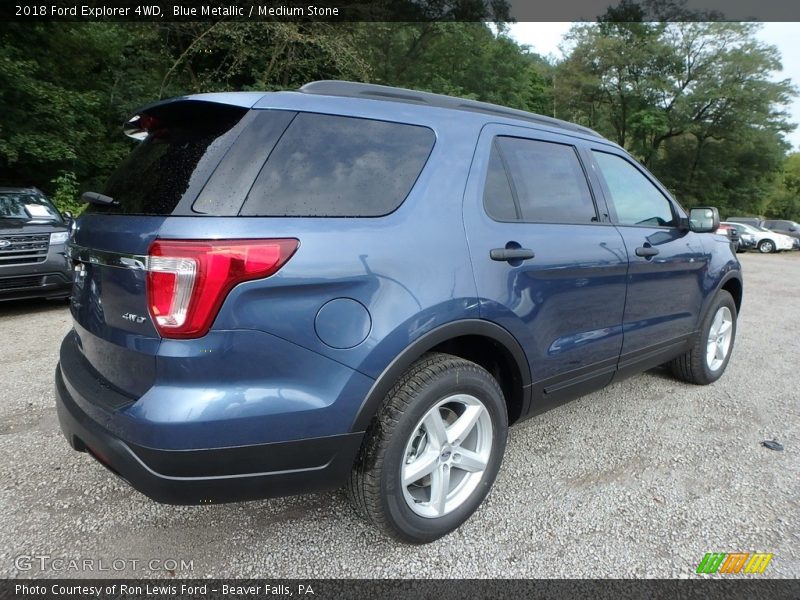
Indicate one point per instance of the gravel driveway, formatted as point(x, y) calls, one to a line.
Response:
point(638, 480)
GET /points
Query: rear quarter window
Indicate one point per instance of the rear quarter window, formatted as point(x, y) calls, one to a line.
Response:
point(335, 166)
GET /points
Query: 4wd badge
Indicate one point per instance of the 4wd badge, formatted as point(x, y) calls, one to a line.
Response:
point(134, 318)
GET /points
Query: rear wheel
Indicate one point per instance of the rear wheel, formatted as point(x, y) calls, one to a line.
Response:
point(709, 356)
point(433, 452)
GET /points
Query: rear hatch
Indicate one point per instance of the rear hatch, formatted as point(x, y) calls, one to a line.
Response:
point(251, 171)
point(183, 143)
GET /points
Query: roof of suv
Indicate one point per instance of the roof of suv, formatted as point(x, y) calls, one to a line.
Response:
point(369, 91)
point(349, 89)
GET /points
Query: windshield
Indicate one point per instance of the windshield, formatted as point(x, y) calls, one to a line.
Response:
point(28, 206)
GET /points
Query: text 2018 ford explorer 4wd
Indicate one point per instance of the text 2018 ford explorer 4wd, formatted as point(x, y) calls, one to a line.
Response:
point(361, 285)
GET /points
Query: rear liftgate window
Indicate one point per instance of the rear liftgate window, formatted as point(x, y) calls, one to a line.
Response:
point(184, 144)
point(332, 166)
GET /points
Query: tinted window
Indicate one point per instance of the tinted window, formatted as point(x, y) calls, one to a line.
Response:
point(783, 225)
point(225, 191)
point(175, 159)
point(331, 166)
point(636, 199)
point(497, 196)
point(547, 181)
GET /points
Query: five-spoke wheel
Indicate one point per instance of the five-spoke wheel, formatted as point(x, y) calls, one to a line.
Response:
point(720, 335)
point(446, 455)
point(710, 352)
point(434, 450)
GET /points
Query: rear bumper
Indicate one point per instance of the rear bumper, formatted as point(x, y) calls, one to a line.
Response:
point(214, 475)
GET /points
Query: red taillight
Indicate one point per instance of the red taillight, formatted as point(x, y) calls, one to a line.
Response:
point(188, 280)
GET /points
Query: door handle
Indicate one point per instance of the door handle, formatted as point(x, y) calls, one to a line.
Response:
point(508, 254)
point(646, 251)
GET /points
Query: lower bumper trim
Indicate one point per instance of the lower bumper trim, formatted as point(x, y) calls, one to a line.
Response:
point(215, 475)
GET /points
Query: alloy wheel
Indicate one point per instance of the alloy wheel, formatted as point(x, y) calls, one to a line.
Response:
point(720, 335)
point(446, 455)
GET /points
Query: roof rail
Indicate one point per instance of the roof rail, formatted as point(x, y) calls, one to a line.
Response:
point(350, 89)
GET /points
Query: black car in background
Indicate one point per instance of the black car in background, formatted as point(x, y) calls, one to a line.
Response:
point(33, 235)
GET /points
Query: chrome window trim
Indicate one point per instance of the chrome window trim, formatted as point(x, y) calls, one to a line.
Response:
point(137, 262)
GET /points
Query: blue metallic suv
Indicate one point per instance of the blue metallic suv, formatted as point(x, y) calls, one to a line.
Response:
point(359, 285)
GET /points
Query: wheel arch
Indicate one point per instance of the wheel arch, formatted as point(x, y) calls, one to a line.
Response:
point(733, 285)
point(483, 342)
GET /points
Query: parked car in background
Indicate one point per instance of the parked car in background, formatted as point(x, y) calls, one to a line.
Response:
point(33, 234)
point(755, 221)
point(765, 241)
point(359, 285)
point(790, 228)
point(746, 240)
point(730, 231)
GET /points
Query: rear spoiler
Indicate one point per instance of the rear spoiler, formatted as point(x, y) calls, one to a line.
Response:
point(186, 109)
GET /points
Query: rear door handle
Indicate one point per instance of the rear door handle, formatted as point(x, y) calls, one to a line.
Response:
point(646, 251)
point(507, 254)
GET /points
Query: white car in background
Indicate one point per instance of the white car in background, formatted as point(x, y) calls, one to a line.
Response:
point(766, 241)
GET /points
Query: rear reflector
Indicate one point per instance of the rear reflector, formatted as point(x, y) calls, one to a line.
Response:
point(188, 280)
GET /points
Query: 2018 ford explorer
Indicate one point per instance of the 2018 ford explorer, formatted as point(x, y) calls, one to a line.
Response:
point(33, 260)
point(361, 285)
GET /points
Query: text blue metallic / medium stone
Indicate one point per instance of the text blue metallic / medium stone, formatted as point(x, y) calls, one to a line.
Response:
point(352, 284)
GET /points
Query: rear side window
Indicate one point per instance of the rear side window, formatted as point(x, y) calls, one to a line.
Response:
point(333, 166)
point(546, 182)
point(175, 160)
point(783, 225)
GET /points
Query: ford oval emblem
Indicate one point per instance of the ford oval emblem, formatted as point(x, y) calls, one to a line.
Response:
point(4, 243)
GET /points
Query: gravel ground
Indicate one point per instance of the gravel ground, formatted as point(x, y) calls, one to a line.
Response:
point(638, 480)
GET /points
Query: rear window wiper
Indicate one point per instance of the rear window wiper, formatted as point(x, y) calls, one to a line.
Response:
point(97, 198)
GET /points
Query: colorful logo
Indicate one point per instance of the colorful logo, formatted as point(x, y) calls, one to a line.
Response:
point(734, 562)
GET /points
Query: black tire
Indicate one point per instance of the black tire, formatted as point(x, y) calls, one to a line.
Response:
point(375, 487)
point(692, 366)
point(766, 246)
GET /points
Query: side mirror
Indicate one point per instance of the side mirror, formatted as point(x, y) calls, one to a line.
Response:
point(67, 214)
point(703, 219)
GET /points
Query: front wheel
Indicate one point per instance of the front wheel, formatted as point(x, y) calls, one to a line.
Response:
point(434, 450)
point(709, 356)
point(766, 246)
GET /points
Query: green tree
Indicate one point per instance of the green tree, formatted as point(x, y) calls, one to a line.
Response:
point(223, 56)
point(691, 100)
point(472, 60)
point(64, 91)
point(784, 199)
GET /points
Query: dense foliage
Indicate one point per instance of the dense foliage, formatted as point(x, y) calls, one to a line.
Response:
point(693, 101)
